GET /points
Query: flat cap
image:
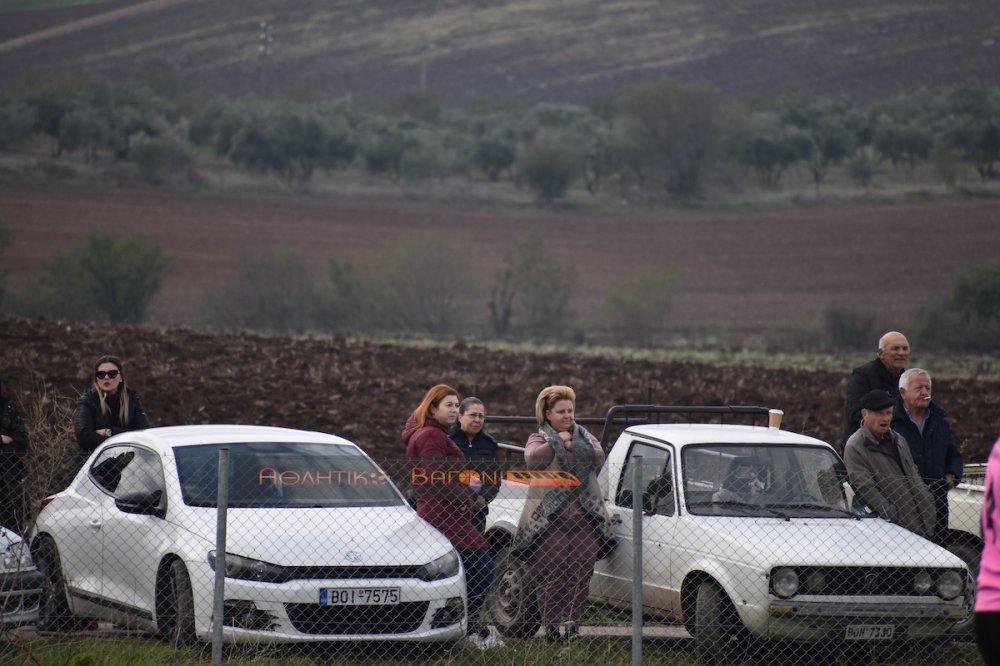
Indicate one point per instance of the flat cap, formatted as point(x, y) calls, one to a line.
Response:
point(877, 400)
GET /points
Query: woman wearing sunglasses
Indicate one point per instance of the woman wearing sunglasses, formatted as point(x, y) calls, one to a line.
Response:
point(107, 408)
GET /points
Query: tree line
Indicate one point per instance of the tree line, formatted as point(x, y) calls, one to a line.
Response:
point(666, 139)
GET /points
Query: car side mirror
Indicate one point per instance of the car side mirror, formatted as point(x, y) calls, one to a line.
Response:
point(145, 503)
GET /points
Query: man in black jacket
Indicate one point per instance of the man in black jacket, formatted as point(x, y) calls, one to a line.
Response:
point(925, 427)
point(882, 373)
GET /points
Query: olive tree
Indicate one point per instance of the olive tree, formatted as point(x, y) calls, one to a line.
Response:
point(100, 277)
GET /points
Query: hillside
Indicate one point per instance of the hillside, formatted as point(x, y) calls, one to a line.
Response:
point(365, 390)
point(543, 50)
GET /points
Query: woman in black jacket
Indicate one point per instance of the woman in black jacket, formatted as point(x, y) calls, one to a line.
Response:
point(13, 449)
point(107, 408)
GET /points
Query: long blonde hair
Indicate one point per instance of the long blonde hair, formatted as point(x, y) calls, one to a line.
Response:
point(122, 389)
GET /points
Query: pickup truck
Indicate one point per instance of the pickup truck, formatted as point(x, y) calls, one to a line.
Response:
point(746, 530)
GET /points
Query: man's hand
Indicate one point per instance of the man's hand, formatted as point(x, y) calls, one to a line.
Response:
point(950, 479)
point(6, 440)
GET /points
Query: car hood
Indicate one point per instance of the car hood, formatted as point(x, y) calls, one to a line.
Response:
point(326, 537)
point(811, 541)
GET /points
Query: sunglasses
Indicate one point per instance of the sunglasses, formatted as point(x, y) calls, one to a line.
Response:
point(109, 374)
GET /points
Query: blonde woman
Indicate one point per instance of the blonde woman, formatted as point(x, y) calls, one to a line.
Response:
point(561, 527)
point(106, 408)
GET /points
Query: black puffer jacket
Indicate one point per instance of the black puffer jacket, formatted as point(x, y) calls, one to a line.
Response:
point(88, 419)
point(12, 425)
point(864, 378)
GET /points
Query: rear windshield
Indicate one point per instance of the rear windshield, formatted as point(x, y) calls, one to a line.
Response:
point(284, 474)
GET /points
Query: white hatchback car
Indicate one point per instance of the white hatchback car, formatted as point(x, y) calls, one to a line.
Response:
point(321, 545)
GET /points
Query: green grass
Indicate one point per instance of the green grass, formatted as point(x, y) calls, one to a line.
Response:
point(79, 650)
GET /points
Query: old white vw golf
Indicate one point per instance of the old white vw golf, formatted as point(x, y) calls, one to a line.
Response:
point(321, 546)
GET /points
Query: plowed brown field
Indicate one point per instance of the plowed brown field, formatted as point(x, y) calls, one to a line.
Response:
point(735, 271)
point(364, 391)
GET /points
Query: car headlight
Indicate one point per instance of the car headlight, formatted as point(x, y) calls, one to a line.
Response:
point(785, 582)
point(950, 584)
point(245, 568)
point(445, 566)
point(922, 582)
point(16, 557)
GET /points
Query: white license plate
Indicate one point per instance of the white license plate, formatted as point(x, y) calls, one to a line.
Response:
point(869, 632)
point(359, 596)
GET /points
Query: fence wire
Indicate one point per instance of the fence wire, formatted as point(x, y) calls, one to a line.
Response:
point(327, 561)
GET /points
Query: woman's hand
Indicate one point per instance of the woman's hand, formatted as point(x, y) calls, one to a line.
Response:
point(6, 440)
point(567, 439)
point(105, 432)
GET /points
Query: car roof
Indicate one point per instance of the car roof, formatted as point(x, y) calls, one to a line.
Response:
point(685, 434)
point(191, 435)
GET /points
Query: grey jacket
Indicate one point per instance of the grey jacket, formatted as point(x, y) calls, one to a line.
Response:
point(893, 490)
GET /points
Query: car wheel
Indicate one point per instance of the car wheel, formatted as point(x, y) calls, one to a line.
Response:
point(512, 597)
point(715, 624)
point(175, 611)
point(969, 554)
point(53, 611)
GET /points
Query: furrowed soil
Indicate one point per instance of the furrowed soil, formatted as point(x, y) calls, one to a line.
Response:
point(364, 390)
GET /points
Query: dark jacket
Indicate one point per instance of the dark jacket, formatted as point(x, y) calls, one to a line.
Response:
point(864, 378)
point(934, 452)
point(12, 425)
point(883, 473)
point(442, 499)
point(481, 454)
point(88, 419)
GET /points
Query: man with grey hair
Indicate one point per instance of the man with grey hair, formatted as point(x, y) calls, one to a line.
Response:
point(882, 373)
point(925, 427)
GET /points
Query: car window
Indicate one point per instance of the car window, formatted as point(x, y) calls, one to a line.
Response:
point(733, 480)
point(657, 480)
point(143, 474)
point(106, 471)
point(284, 474)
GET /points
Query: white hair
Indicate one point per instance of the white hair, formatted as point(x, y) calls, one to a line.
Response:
point(904, 379)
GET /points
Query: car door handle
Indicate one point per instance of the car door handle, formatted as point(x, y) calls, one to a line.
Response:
point(95, 524)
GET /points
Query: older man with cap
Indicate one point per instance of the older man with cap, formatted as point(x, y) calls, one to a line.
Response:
point(882, 471)
point(882, 372)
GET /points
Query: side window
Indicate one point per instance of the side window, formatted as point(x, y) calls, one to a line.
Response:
point(123, 470)
point(144, 474)
point(657, 480)
point(106, 471)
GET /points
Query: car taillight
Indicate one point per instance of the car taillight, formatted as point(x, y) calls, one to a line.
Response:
point(46, 501)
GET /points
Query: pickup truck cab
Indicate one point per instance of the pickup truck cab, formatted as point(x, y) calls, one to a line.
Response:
point(745, 529)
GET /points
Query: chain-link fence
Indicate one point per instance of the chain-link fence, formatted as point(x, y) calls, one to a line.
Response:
point(714, 554)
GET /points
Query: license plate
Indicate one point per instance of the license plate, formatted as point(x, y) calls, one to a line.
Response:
point(869, 632)
point(359, 596)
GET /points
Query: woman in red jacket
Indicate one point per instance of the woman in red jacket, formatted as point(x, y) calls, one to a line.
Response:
point(444, 499)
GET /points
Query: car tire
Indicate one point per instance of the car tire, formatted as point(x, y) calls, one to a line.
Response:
point(511, 599)
point(715, 624)
point(53, 612)
point(971, 555)
point(175, 610)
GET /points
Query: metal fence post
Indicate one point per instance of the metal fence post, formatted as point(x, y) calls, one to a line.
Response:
point(220, 556)
point(637, 561)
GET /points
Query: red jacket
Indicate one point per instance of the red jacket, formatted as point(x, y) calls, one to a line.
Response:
point(443, 500)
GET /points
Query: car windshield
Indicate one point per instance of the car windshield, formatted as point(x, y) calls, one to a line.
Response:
point(770, 480)
point(284, 474)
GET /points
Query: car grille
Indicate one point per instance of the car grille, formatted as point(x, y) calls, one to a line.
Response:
point(362, 572)
point(861, 581)
point(356, 620)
